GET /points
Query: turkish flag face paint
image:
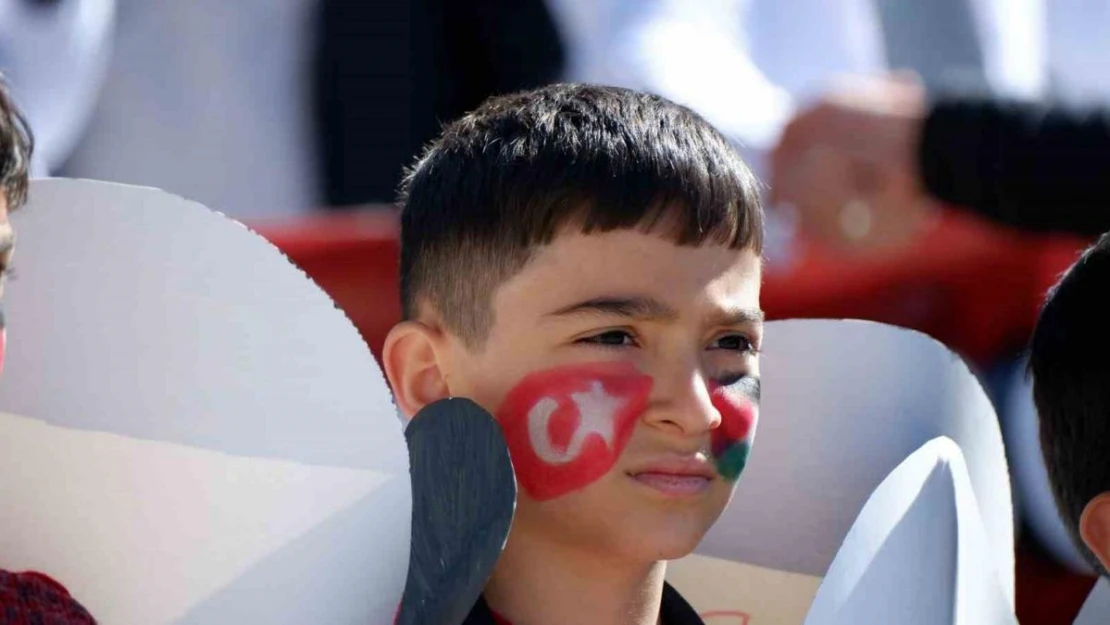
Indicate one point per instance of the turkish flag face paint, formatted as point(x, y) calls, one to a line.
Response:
point(567, 427)
point(738, 405)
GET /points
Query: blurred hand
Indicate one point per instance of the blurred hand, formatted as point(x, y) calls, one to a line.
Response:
point(852, 206)
point(848, 165)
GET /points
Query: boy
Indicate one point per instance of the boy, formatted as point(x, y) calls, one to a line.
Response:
point(24, 597)
point(584, 263)
point(1071, 388)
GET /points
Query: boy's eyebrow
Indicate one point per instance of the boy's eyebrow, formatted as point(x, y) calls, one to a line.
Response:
point(636, 307)
point(737, 317)
point(645, 308)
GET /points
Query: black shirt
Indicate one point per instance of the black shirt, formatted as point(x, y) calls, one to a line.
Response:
point(674, 611)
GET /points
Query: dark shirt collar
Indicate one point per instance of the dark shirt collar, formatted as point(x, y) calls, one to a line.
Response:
point(674, 610)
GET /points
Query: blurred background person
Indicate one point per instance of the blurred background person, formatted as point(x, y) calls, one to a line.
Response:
point(1030, 162)
point(877, 163)
point(54, 55)
point(208, 99)
point(1024, 164)
point(750, 65)
point(389, 73)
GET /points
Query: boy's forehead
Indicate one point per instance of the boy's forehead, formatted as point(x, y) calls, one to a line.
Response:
point(577, 266)
point(635, 250)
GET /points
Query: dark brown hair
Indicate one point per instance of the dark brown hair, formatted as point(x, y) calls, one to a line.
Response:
point(1069, 360)
point(16, 146)
point(507, 177)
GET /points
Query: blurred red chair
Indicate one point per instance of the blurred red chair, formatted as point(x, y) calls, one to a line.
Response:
point(969, 284)
point(355, 258)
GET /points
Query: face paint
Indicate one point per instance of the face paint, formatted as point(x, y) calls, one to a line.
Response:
point(566, 427)
point(738, 405)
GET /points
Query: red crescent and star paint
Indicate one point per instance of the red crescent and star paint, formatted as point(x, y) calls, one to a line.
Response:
point(566, 427)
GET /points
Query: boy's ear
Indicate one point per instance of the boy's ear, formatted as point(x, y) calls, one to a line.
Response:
point(412, 358)
point(1094, 527)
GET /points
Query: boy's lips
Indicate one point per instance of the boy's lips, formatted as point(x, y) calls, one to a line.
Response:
point(676, 476)
point(679, 466)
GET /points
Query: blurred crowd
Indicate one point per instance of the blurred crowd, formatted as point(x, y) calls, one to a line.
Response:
point(274, 107)
point(278, 109)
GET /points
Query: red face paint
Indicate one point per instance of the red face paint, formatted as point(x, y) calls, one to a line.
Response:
point(566, 427)
point(732, 440)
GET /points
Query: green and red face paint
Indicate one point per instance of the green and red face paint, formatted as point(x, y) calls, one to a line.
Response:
point(738, 404)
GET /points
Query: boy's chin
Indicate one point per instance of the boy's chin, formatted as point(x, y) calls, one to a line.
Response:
point(676, 547)
point(652, 544)
point(639, 537)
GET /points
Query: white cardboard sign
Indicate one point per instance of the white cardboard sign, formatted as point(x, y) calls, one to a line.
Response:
point(195, 433)
point(843, 404)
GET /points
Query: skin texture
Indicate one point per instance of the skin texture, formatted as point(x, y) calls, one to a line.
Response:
point(687, 318)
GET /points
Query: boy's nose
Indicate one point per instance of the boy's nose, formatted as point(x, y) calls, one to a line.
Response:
point(682, 402)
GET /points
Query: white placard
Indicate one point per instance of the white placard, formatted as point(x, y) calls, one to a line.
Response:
point(843, 404)
point(203, 436)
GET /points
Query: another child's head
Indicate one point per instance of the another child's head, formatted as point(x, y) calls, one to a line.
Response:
point(1070, 365)
point(584, 262)
point(15, 162)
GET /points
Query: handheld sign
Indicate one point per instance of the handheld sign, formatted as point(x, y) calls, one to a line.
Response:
point(1096, 610)
point(193, 433)
point(843, 403)
point(464, 496)
point(917, 554)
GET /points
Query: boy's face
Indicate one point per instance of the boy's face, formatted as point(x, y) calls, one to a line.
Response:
point(624, 371)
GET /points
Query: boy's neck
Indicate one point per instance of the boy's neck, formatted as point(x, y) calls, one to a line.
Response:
point(539, 583)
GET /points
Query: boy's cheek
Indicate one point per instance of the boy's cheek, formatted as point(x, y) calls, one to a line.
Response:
point(738, 405)
point(567, 427)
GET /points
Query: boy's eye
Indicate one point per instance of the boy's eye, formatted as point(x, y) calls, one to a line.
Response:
point(611, 338)
point(734, 342)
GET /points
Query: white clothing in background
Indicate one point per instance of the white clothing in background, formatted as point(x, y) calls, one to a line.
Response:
point(209, 99)
point(54, 57)
point(747, 65)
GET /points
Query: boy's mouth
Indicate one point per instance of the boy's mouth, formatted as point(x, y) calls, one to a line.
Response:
point(677, 476)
